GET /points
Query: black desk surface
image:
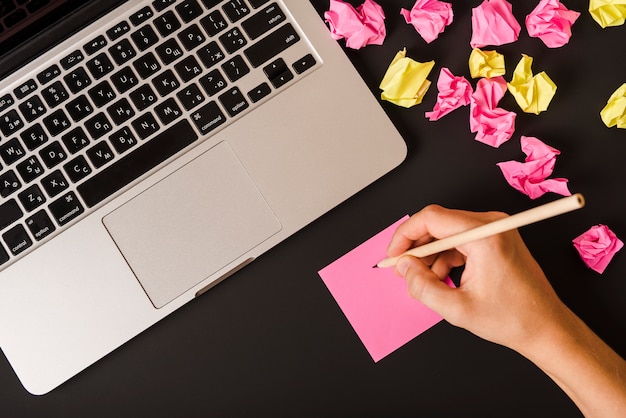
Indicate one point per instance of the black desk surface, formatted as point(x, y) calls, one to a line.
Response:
point(271, 341)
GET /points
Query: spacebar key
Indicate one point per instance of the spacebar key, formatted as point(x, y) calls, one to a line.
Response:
point(137, 163)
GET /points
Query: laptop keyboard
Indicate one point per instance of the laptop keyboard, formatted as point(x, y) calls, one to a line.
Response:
point(143, 89)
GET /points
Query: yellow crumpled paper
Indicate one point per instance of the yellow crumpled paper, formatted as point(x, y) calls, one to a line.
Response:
point(532, 93)
point(608, 12)
point(614, 113)
point(487, 64)
point(405, 83)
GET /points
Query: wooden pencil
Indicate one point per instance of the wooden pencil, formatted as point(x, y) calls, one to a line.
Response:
point(527, 217)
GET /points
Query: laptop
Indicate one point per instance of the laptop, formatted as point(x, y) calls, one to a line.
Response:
point(151, 149)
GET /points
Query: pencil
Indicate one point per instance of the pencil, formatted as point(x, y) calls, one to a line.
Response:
point(527, 217)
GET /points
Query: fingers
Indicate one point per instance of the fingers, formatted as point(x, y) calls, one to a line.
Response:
point(435, 222)
point(426, 286)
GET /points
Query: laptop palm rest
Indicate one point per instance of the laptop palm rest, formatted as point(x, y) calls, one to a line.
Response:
point(191, 224)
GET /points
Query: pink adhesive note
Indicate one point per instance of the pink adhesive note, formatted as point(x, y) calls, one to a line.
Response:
point(597, 246)
point(492, 124)
point(454, 92)
point(531, 176)
point(493, 23)
point(376, 301)
point(429, 18)
point(551, 22)
point(362, 26)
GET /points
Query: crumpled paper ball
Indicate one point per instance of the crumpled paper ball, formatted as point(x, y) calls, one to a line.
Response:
point(362, 26)
point(597, 246)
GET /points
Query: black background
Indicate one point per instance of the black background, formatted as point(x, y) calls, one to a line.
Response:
point(271, 341)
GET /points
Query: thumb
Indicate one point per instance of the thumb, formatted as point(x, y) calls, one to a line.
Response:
point(425, 286)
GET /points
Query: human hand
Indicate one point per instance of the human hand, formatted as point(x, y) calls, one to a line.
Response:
point(503, 297)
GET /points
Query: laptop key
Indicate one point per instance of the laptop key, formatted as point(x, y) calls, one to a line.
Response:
point(214, 23)
point(11, 151)
point(6, 101)
point(188, 10)
point(141, 16)
point(168, 111)
point(145, 125)
point(190, 96)
point(77, 169)
point(233, 40)
point(10, 123)
point(30, 169)
point(259, 92)
point(66, 208)
point(124, 80)
point(233, 101)
point(118, 30)
point(9, 213)
point(32, 108)
point(263, 21)
point(40, 225)
point(236, 9)
point(17, 239)
point(208, 117)
point(25, 89)
point(144, 38)
point(169, 51)
point(48, 74)
point(147, 65)
point(257, 3)
point(160, 5)
point(9, 183)
point(95, 45)
point(72, 59)
point(55, 94)
point(122, 51)
point(77, 80)
point(167, 23)
point(123, 140)
point(56, 122)
point(137, 163)
point(272, 45)
point(32, 198)
point(54, 183)
point(75, 140)
point(52, 154)
point(188, 68)
point(34, 136)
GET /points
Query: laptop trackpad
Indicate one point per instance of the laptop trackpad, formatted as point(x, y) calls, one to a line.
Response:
point(191, 224)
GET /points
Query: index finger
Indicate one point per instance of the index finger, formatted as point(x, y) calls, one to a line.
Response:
point(435, 222)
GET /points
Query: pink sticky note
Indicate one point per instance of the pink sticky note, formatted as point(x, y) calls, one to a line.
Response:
point(376, 301)
point(429, 18)
point(492, 124)
point(362, 26)
point(454, 92)
point(551, 22)
point(493, 23)
point(531, 176)
point(597, 246)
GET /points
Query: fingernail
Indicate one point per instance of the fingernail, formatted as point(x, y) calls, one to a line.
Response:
point(403, 266)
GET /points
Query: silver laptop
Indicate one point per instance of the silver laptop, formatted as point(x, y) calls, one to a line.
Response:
point(155, 152)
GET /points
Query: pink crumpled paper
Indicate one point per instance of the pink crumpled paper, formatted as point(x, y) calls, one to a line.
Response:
point(454, 92)
point(492, 125)
point(551, 22)
point(429, 18)
point(493, 23)
point(362, 26)
point(531, 176)
point(597, 247)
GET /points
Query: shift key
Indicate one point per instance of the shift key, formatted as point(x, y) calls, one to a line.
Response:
point(272, 45)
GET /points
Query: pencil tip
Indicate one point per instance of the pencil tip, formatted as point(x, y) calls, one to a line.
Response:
point(375, 266)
